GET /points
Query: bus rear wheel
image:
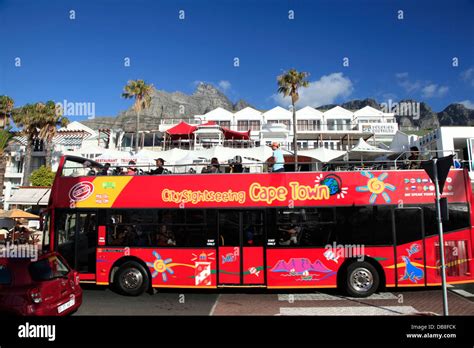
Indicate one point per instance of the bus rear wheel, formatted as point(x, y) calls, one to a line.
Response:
point(131, 279)
point(362, 279)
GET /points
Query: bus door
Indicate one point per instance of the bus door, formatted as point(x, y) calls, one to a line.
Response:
point(241, 258)
point(77, 239)
point(410, 247)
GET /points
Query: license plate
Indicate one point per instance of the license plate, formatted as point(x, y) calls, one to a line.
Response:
point(67, 305)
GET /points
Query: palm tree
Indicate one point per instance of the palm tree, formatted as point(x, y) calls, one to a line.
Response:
point(6, 107)
point(139, 90)
point(28, 119)
point(50, 117)
point(288, 84)
point(5, 136)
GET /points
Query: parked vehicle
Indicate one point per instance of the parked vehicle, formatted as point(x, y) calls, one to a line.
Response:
point(45, 286)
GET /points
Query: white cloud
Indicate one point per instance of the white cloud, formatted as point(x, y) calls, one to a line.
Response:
point(405, 83)
point(224, 85)
point(468, 75)
point(323, 91)
point(427, 89)
point(468, 104)
point(434, 91)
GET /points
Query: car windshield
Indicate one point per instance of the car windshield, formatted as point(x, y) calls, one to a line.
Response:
point(47, 269)
point(5, 275)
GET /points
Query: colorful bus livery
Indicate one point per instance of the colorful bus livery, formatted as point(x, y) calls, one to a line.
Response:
point(359, 230)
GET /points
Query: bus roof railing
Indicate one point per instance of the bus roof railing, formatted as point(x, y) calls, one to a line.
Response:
point(248, 167)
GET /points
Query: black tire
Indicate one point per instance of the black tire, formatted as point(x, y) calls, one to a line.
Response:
point(361, 279)
point(131, 279)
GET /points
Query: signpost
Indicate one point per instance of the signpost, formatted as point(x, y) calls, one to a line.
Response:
point(438, 169)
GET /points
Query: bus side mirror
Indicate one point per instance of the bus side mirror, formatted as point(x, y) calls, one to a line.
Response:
point(443, 203)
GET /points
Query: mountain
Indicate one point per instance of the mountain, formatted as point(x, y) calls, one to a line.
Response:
point(300, 265)
point(166, 105)
point(456, 114)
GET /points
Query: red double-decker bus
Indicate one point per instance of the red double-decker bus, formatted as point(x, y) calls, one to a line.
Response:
point(359, 230)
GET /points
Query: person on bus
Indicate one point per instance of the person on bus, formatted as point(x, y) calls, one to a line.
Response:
point(165, 237)
point(414, 160)
point(290, 236)
point(236, 166)
point(278, 159)
point(118, 171)
point(89, 169)
point(131, 170)
point(119, 238)
point(159, 167)
point(215, 166)
point(105, 169)
point(131, 237)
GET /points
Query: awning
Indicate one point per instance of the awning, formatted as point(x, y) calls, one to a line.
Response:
point(182, 130)
point(230, 134)
point(30, 196)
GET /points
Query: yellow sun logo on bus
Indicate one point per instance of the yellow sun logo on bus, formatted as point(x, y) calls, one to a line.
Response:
point(376, 186)
point(160, 266)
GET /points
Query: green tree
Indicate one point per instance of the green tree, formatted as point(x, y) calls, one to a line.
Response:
point(26, 118)
point(288, 84)
point(50, 119)
point(43, 176)
point(141, 92)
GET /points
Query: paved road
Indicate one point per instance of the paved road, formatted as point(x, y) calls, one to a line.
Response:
point(103, 301)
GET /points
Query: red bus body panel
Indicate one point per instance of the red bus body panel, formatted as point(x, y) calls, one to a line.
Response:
point(275, 267)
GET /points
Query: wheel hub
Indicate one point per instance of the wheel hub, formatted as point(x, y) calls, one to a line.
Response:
point(361, 280)
point(132, 279)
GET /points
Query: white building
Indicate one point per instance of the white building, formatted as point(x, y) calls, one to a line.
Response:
point(337, 128)
point(445, 141)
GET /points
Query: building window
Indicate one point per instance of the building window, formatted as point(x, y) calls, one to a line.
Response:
point(225, 124)
point(255, 125)
point(243, 126)
point(331, 125)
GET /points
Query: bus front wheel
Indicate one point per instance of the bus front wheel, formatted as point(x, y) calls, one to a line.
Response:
point(362, 279)
point(131, 279)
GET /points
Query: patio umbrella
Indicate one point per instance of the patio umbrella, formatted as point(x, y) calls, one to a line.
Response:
point(323, 154)
point(364, 151)
point(18, 214)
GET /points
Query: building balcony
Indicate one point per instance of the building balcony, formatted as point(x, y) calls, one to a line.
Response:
point(13, 175)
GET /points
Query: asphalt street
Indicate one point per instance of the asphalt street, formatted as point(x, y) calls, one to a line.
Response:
point(103, 301)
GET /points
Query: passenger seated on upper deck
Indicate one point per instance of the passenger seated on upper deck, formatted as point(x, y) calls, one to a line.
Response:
point(159, 167)
point(215, 166)
point(89, 169)
point(236, 165)
point(414, 160)
point(118, 171)
point(105, 169)
point(131, 170)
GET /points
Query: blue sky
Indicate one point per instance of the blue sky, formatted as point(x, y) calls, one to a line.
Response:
point(82, 60)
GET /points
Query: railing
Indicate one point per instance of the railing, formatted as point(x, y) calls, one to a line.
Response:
point(310, 127)
point(251, 167)
point(401, 159)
